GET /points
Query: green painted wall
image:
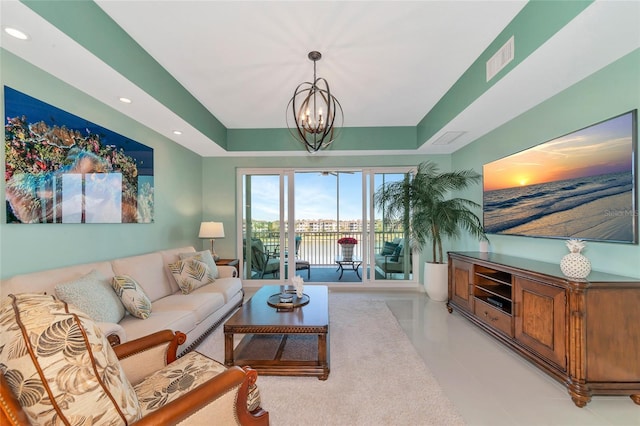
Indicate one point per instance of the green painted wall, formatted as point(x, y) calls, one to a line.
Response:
point(612, 91)
point(178, 189)
point(350, 138)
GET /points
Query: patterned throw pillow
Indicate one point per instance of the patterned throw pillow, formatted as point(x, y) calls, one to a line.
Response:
point(132, 296)
point(190, 274)
point(203, 256)
point(93, 295)
point(60, 365)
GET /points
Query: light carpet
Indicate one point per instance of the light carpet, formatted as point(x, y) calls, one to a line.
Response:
point(376, 378)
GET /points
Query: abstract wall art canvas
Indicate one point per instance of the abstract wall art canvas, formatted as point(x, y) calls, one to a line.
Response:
point(580, 185)
point(61, 168)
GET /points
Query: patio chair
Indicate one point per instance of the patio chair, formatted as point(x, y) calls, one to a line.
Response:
point(391, 258)
point(301, 264)
point(261, 261)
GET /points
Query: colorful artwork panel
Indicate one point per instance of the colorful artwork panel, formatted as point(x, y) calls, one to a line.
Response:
point(61, 168)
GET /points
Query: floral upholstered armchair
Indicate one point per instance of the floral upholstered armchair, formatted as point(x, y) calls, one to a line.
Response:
point(58, 368)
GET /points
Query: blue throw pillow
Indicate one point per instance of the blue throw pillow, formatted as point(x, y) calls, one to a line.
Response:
point(93, 295)
point(388, 248)
point(396, 254)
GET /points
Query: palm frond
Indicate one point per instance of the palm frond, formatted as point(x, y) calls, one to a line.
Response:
point(431, 215)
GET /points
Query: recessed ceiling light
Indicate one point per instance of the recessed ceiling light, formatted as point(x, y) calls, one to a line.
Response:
point(125, 100)
point(14, 32)
point(177, 132)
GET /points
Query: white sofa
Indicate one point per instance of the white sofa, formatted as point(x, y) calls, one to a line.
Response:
point(195, 314)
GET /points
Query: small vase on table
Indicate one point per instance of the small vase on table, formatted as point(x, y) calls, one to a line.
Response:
point(298, 284)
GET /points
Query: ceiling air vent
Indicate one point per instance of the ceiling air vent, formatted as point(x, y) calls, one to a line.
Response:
point(501, 58)
point(448, 137)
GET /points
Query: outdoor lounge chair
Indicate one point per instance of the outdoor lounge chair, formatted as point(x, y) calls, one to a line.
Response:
point(391, 258)
point(261, 261)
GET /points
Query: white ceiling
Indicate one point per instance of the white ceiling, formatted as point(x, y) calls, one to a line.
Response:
point(387, 62)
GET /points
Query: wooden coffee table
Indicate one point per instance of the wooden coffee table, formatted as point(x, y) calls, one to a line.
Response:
point(281, 342)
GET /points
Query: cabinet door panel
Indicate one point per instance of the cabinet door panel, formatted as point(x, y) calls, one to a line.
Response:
point(462, 284)
point(540, 319)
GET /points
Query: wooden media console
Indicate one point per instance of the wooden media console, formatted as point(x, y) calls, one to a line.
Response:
point(584, 333)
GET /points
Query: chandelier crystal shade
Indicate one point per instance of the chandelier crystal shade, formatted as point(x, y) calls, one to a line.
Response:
point(316, 113)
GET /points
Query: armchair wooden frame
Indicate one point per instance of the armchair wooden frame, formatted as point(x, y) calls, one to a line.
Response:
point(143, 356)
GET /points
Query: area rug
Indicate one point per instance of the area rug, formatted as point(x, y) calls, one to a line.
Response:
point(376, 378)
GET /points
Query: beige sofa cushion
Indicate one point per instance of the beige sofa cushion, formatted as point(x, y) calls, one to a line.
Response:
point(228, 287)
point(160, 319)
point(149, 272)
point(201, 304)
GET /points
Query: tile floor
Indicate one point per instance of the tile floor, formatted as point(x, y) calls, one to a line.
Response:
point(488, 382)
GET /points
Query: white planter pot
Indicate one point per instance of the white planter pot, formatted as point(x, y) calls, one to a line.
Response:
point(436, 281)
point(347, 251)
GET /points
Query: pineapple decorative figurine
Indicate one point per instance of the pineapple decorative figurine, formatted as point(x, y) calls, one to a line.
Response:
point(575, 264)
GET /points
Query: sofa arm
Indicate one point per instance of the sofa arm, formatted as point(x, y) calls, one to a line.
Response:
point(223, 398)
point(226, 271)
point(114, 332)
point(141, 357)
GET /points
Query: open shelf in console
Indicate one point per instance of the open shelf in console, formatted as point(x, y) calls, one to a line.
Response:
point(493, 287)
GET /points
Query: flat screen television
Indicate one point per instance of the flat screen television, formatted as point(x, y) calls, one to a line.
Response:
point(580, 185)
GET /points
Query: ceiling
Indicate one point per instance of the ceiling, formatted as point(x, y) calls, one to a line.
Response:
point(387, 62)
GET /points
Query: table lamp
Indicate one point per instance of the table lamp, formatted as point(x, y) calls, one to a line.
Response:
point(212, 230)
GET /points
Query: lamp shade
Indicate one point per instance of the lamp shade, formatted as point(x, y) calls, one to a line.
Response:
point(211, 230)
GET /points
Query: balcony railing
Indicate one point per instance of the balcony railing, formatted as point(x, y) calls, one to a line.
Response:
point(321, 248)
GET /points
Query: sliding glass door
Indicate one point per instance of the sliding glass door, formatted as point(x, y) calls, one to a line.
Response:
point(391, 245)
point(292, 221)
point(264, 224)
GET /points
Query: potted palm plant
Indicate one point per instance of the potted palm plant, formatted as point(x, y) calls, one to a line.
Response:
point(421, 203)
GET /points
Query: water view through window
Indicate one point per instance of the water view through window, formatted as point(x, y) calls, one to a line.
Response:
point(327, 206)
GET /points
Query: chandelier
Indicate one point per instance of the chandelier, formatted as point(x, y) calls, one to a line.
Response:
point(314, 110)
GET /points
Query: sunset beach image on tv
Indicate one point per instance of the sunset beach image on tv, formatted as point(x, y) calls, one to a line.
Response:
point(581, 185)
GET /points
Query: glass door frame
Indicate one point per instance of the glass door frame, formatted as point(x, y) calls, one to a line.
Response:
point(285, 175)
point(367, 234)
point(370, 173)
